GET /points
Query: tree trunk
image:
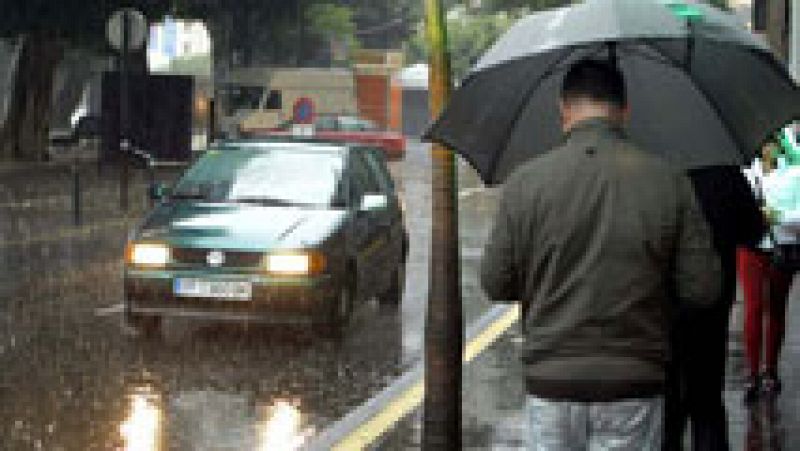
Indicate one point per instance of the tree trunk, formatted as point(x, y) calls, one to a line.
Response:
point(24, 134)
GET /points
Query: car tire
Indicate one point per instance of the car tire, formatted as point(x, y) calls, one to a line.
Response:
point(145, 326)
point(393, 296)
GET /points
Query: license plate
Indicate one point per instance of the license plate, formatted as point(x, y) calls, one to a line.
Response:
point(214, 289)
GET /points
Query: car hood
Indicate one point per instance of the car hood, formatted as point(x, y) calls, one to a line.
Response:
point(244, 227)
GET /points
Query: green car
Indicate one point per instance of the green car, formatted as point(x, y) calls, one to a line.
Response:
point(272, 232)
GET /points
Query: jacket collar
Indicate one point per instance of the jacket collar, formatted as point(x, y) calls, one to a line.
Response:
point(592, 127)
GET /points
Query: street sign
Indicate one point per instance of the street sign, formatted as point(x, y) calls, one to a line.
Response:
point(304, 111)
point(137, 29)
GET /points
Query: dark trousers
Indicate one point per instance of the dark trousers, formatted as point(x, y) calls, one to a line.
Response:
point(696, 373)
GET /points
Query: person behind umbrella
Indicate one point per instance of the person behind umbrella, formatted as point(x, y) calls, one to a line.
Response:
point(765, 283)
point(598, 239)
point(696, 375)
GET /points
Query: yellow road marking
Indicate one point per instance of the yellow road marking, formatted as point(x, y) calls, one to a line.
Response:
point(407, 401)
point(491, 333)
point(380, 423)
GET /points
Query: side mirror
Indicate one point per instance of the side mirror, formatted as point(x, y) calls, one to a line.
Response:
point(373, 202)
point(158, 192)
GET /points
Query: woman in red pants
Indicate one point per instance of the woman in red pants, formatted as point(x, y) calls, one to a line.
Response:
point(766, 289)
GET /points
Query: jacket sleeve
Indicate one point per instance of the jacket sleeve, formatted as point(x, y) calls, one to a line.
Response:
point(499, 272)
point(697, 272)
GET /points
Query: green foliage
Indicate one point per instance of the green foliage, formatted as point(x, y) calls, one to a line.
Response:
point(469, 33)
point(330, 20)
point(530, 5)
point(473, 31)
point(332, 23)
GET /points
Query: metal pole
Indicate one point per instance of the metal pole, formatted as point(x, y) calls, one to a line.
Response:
point(76, 192)
point(794, 40)
point(443, 327)
point(212, 122)
point(151, 178)
point(776, 27)
point(124, 112)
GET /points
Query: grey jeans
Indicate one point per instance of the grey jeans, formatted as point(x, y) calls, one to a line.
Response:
point(635, 425)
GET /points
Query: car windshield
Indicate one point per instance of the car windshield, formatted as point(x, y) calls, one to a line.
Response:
point(268, 177)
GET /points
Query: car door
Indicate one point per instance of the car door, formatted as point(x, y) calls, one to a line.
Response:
point(390, 219)
point(364, 231)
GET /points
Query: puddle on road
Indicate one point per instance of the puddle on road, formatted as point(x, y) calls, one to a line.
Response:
point(142, 429)
point(208, 419)
point(283, 427)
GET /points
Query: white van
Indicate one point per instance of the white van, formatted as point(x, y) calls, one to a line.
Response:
point(259, 99)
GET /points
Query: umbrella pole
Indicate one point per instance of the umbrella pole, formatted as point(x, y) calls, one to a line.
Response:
point(443, 327)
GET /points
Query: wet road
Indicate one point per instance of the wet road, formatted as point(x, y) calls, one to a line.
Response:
point(72, 379)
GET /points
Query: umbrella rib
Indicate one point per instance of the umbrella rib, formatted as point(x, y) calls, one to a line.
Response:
point(717, 110)
point(524, 103)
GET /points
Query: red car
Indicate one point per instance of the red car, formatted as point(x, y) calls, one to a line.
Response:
point(352, 130)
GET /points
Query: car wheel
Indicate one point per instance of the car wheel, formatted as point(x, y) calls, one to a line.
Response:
point(145, 326)
point(394, 294)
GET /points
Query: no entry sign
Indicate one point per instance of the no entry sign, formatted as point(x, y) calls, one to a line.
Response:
point(304, 111)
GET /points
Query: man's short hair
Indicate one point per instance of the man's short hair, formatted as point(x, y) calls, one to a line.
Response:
point(595, 80)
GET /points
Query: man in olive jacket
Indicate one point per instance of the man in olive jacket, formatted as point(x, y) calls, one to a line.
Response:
point(598, 240)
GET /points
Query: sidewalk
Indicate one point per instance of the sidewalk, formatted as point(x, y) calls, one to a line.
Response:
point(494, 395)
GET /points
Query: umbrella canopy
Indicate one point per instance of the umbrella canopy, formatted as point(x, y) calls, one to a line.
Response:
point(702, 89)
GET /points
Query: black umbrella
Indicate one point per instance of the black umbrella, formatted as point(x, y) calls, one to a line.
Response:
point(703, 90)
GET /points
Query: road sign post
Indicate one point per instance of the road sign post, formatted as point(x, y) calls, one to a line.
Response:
point(304, 114)
point(126, 30)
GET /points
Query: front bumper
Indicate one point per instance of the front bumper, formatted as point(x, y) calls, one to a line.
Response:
point(274, 299)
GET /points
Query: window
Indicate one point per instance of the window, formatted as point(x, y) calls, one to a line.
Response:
point(377, 162)
point(275, 100)
point(326, 124)
point(364, 180)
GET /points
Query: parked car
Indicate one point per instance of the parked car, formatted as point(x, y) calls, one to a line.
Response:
point(269, 231)
point(350, 129)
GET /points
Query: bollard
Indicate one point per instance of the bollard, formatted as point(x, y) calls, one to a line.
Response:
point(76, 194)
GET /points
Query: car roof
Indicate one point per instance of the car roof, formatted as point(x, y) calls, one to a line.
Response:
point(270, 143)
point(279, 143)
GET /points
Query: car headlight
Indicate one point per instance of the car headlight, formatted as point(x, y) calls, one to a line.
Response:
point(148, 254)
point(295, 264)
